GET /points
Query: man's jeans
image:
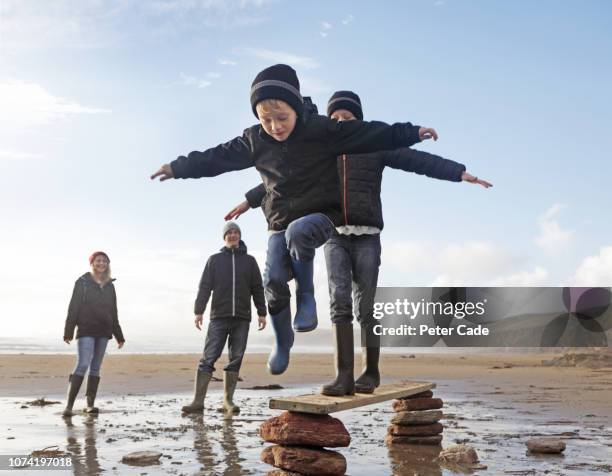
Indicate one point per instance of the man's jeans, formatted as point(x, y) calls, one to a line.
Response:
point(298, 242)
point(352, 267)
point(219, 330)
point(91, 352)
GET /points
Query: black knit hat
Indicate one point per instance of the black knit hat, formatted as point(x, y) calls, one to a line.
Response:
point(345, 100)
point(277, 82)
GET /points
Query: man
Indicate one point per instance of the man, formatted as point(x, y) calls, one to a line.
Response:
point(233, 278)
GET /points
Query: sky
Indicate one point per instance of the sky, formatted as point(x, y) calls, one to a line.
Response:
point(96, 95)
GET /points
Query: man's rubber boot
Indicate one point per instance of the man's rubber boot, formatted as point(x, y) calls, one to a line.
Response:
point(345, 359)
point(90, 393)
point(230, 379)
point(279, 358)
point(200, 389)
point(370, 378)
point(73, 391)
point(305, 319)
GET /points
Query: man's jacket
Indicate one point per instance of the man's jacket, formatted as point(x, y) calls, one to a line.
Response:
point(233, 277)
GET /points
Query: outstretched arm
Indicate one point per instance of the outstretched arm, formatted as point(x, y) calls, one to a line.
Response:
point(233, 155)
point(360, 137)
point(434, 166)
point(254, 198)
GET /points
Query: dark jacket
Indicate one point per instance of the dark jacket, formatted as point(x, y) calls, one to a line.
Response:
point(360, 178)
point(299, 173)
point(93, 310)
point(233, 277)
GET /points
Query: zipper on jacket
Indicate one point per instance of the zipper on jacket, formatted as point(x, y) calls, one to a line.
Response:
point(345, 189)
point(233, 283)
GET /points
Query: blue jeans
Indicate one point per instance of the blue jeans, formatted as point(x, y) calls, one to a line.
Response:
point(352, 272)
point(298, 242)
point(91, 352)
point(220, 329)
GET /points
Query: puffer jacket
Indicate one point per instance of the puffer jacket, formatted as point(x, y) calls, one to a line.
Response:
point(360, 177)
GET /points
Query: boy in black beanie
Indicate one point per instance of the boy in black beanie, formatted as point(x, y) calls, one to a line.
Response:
point(352, 254)
point(294, 150)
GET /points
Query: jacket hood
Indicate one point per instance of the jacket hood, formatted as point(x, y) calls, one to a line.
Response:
point(242, 248)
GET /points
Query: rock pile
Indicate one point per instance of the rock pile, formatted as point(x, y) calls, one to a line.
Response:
point(416, 421)
point(299, 446)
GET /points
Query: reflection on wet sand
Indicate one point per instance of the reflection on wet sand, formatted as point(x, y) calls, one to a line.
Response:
point(85, 455)
point(408, 460)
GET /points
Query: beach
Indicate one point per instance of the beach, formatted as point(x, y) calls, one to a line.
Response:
point(494, 402)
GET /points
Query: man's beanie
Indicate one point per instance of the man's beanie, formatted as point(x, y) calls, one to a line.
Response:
point(98, 253)
point(277, 82)
point(345, 100)
point(230, 225)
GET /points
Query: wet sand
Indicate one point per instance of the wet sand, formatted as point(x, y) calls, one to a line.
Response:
point(493, 402)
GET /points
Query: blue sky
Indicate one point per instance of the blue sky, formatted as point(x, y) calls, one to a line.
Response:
point(94, 96)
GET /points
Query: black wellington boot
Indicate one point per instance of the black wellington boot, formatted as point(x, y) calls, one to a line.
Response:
point(92, 389)
point(73, 391)
point(370, 378)
point(345, 359)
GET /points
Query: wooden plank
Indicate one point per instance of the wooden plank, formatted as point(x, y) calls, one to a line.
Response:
point(323, 405)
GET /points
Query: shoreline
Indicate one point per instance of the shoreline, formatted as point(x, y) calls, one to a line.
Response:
point(576, 390)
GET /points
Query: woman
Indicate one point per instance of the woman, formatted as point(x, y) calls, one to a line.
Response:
point(93, 311)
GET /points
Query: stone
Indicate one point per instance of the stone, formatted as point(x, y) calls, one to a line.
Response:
point(545, 445)
point(293, 428)
point(425, 394)
point(282, 472)
point(417, 417)
point(416, 430)
point(413, 440)
point(410, 404)
point(303, 460)
point(460, 455)
point(142, 458)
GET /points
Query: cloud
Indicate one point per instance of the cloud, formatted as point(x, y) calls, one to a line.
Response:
point(282, 57)
point(348, 19)
point(552, 238)
point(473, 263)
point(594, 270)
point(226, 62)
point(6, 154)
point(26, 104)
point(187, 80)
point(539, 276)
point(325, 27)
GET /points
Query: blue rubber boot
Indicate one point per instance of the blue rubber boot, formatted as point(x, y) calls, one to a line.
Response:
point(305, 319)
point(279, 358)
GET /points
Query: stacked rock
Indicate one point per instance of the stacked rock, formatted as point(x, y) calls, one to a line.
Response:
point(416, 421)
point(300, 439)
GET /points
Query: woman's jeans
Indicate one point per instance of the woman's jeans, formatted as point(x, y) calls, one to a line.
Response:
point(91, 352)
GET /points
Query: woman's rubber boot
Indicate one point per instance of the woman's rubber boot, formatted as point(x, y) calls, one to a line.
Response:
point(345, 359)
point(279, 358)
point(305, 319)
point(370, 378)
point(200, 389)
point(230, 379)
point(90, 393)
point(74, 385)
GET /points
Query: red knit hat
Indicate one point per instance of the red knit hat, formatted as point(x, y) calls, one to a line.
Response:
point(98, 253)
